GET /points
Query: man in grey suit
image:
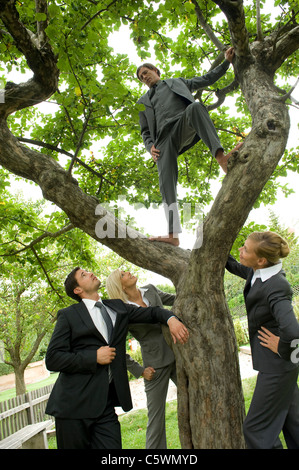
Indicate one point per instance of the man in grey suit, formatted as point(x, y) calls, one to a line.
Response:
point(171, 123)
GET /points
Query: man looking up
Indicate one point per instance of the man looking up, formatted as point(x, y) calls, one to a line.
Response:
point(171, 123)
point(88, 348)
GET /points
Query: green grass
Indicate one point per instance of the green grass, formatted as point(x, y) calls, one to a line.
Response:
point(133, 428)
point(133, 424)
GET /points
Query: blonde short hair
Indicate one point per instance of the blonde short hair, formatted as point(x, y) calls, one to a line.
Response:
point(114, 287)
point(270, 245)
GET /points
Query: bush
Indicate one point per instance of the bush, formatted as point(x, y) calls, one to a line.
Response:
point(241, 333)
point(136, 355)
point(296, 307)
point(6, 369)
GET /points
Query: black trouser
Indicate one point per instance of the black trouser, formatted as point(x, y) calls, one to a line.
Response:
point(274, 408)
point(102, 432)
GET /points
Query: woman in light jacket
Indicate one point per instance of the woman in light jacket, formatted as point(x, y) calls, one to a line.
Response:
point(273, 333)
point(158, 359)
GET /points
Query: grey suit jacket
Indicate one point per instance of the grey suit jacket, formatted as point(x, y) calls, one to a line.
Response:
point(183, 87)
point(154, 349)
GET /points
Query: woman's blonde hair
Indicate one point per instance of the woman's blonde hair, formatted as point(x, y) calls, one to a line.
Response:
point(114, 287)
point(270, 245)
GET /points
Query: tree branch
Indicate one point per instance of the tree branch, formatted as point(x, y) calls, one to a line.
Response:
point(97, 14)
point(39, 143)
point(286, 45)
point(41, 6)
point(41, 60)
point(235, 15)
point(207, 28)
point(288, 95)
point(258, 21)
point(46, 234)
point(80, 142)
point(221, 94)
point(45, 272)
point(85, 212)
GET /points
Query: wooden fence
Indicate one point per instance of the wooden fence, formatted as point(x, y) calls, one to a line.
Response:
point(22, 410)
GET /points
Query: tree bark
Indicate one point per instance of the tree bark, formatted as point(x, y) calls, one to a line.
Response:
point(20, 381)
point(213, 405)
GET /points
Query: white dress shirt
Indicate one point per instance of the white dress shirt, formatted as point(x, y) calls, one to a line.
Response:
point(265, 273)
point(99, 322)
point(97, 316)
point(144, 299)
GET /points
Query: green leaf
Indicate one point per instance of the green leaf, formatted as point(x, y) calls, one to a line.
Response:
point(40, 16)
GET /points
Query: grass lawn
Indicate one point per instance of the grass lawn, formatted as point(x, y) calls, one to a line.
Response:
point(133, 428)
point(133, 424)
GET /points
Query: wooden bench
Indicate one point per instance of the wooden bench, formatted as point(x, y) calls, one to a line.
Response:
point(32, 436)
point(23, 422)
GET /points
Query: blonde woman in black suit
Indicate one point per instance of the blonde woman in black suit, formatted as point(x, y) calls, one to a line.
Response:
point(158, 359)
point(274, 333)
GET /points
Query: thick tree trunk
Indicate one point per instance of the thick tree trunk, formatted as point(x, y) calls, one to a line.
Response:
point(210, 407)
point(209, 380)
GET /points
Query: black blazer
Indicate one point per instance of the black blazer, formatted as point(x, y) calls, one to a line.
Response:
point(268, 304)
point(81, 390)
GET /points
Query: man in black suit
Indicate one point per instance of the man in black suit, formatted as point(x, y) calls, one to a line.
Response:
point(88, 349)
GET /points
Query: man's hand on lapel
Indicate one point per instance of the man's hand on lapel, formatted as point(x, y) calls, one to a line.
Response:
point(178, 331)
point(105, 355)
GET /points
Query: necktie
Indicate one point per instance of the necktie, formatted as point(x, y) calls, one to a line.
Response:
point(152, 91)
point(107, 319)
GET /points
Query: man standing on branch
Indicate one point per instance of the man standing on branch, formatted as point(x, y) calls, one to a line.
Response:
point(171, 123)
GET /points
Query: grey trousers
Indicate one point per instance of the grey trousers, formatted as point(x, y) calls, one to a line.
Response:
point(195, 120)
point(156, 393)
point(274, 408)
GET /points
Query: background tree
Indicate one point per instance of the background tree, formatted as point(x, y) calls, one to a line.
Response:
point(27, 314)
point(93, 92)
point(34, 261)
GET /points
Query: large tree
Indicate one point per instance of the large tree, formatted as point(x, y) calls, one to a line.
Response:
point(65, 44)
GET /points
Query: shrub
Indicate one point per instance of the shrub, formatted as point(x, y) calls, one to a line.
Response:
point(136, 355)
point(241, 333)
